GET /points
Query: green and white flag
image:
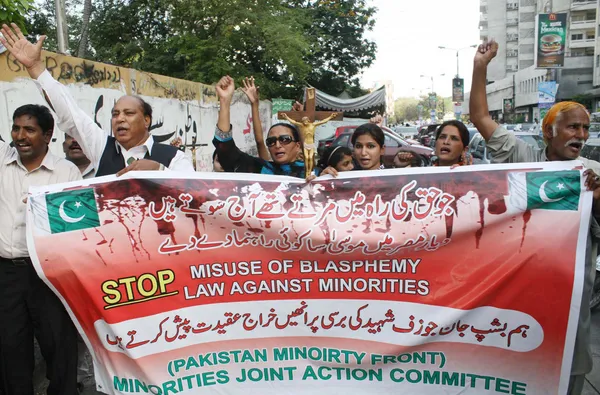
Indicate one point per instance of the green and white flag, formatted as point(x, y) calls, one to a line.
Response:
point(545, 190)
point(72, 210)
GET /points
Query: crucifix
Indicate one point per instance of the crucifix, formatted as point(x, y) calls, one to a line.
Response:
point(307, 121)
point(310, 110)
point(193, 149)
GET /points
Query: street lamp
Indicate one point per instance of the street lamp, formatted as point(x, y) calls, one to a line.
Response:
point(457, 51)
point(430, 76)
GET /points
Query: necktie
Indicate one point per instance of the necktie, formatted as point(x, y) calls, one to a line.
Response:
point(130, 160)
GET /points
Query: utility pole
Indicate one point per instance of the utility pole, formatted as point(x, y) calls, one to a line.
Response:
point(61, 27)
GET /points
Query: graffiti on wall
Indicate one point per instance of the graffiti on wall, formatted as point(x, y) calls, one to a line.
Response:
point(181, 109)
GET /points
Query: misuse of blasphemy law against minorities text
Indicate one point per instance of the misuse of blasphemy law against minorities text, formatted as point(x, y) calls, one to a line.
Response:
point(410, 281)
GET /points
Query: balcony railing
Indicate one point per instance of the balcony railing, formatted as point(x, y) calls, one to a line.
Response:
point(512, 53)
point(512, 6)
point(512, 21)
point(512, 37)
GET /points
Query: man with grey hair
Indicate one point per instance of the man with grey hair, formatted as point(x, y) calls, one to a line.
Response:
point(565, 129)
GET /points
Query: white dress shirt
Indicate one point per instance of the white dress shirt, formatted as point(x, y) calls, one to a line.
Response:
point(77, 124)
point(15, 182)
point(89, 172)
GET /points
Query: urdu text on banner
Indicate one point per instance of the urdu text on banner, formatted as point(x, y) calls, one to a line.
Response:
point(410, 281)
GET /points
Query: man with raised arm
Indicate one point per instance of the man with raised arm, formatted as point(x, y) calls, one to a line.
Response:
point(565, 129)
point(131, 148)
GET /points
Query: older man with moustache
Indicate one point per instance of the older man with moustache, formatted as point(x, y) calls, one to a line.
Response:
point(132, 147)
point(75, 155)
point(565, 129)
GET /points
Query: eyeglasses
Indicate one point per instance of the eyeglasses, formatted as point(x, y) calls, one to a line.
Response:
point(284, 140)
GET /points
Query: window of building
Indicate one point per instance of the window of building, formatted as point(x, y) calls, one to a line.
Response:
point(527, 17)
point(591, 35)
point(577, 36)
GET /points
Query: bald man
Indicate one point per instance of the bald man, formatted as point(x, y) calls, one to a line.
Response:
point(131, 148)
point(565, 129)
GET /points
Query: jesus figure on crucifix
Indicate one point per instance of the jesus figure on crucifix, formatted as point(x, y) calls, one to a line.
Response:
point(307, 134)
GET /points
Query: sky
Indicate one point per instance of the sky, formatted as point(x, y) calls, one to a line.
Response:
point(408, 33)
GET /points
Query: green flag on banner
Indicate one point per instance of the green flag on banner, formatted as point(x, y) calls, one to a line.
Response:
point(72, 210)
point(553, 190)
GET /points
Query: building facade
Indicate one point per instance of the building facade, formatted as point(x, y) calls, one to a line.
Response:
point(512, 24)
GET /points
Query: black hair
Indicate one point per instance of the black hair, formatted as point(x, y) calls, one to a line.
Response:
point(40, 113)
point(291, 127)
point(462, 130)
point(333, 155)
point(370, 129)
point(146, 107)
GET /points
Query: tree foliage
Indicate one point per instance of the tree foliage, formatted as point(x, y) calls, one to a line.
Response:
point(42, 20)
point(406, 109)
point(15, 11)
point(286, 45)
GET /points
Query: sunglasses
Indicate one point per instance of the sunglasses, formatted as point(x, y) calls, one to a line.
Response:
point(284, 140)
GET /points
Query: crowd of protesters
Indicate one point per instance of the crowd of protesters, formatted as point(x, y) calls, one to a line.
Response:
point(29, 308)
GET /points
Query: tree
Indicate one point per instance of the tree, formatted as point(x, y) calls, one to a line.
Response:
point(405, 109)
point(14, 11)
point(286, 45)
point(85, 24)
point(42, 20)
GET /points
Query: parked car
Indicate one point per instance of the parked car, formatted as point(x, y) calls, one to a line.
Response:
point(481, 155)
point(591, 149)
point(393, 144)
point(324, 143)
point(595, 130)
point(408, 132)
point(524, 127)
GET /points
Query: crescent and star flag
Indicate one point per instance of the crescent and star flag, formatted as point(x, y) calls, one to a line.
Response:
point(416, 281)
point(72, 210)
point(545, 190)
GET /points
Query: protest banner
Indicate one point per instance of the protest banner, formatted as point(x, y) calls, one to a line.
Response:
point(412, 281)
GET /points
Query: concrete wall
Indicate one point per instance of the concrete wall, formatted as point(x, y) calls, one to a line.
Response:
point(180, 108)
point(526, 83)
point(576, 77)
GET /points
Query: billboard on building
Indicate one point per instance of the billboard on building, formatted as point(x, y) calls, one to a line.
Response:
point(550, 40)
point(547, 92)
point(458, 90)
point(507, 105)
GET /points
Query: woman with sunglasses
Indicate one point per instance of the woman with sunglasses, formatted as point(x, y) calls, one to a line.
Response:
point(283, 143)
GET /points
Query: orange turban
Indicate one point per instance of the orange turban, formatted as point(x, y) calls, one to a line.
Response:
point(558, 109)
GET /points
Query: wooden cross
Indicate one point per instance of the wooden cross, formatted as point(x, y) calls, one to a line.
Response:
point(309, 110)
